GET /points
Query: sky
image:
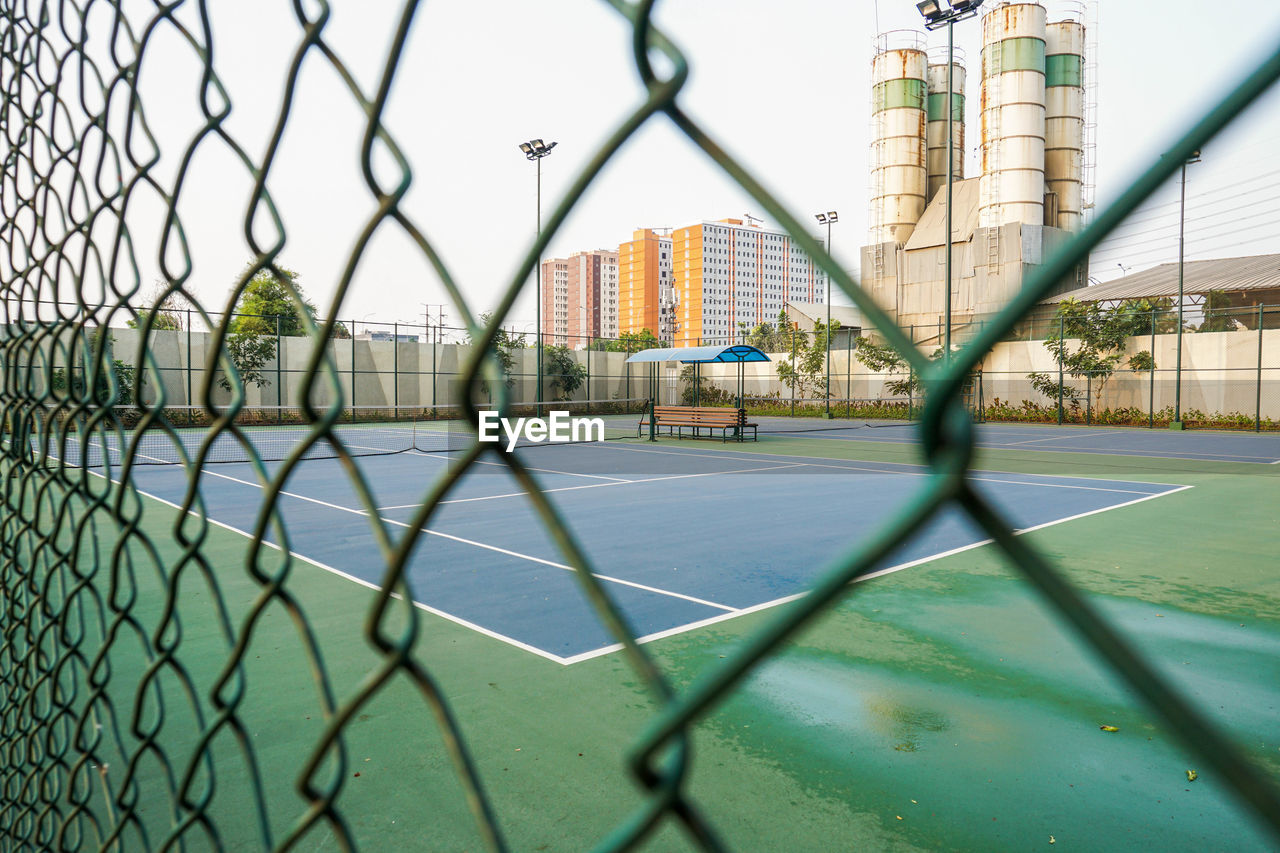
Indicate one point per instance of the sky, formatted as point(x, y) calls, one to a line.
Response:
point(784, 87)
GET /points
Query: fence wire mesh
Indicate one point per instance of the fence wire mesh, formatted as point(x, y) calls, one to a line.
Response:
point(109, 738)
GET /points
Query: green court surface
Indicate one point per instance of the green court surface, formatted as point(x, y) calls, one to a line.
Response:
point(939, 707)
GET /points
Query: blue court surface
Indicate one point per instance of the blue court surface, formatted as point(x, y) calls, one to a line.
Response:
point(681, 536)
point(1208, 446)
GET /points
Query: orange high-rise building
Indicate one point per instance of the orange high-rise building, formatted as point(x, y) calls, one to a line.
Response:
point(645, 296)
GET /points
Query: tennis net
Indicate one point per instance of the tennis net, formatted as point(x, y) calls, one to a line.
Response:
point(186, 435)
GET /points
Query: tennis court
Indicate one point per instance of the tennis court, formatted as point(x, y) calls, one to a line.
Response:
point(943, 668)
point(694, 549)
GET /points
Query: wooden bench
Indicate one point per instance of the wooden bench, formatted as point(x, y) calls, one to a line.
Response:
point(710, 418)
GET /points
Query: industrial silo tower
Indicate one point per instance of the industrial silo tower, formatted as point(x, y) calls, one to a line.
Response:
point(936, 257)
point(1013, 115)
point(936, 128)
point(1065, 118)
point(898, 175)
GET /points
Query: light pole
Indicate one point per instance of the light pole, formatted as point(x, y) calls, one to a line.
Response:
point(1182, 219)
point(535, 150)
point(935, 16)
point(828, 219)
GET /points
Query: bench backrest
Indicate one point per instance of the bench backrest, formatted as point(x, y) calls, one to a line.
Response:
point(700, 414)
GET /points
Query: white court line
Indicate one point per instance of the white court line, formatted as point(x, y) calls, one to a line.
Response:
point(603, 485)
point(472, 542)
point(1047, 438)
point(755, 608)
point(448, 458)
point(829, 464)
point(1187, 455)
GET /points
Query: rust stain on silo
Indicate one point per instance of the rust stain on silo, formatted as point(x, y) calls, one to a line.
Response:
point(903, 57)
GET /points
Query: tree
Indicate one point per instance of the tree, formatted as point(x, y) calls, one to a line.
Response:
point(804, 370)
point(1100, 334)
point(268, 306)
point(267, 298)
point(1148, 315)
point(883, 358)
point(1217, 313)
point(698, 388)
point(771, 337)
point(629, 342)
point(123, 376)
point(564, 373)
point(166, 308)
point(249, 352)
point(504, 345)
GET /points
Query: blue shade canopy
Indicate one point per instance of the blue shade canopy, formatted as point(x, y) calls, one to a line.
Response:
point(701, 355)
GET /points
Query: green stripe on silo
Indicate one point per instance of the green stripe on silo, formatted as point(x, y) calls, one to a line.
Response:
point(898, 93)
point(1020, 54)
point(936, 109)
point(1064, 69)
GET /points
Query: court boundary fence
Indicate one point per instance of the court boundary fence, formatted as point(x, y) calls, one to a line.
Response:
point(1229, 375)
point(71, 607)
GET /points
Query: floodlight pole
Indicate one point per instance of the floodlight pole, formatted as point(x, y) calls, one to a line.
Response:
point(535, 150)
point(951, 48)
point(827, 219)
point(1182, 218)
point(537, 384)
point(828, 335)
point(935, 17)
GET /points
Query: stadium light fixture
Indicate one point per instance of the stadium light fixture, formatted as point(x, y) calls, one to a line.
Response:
point(937, 16)
point(930, 9)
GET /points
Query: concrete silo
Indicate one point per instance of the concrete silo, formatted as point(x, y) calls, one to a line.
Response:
point(898, 175)
point(1013, 115)
point(1065, 122)
point(936, 128)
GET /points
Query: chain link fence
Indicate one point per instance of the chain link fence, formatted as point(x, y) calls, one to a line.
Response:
point(114, 736)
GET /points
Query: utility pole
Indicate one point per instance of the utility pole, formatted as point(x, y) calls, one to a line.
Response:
point(426, 319)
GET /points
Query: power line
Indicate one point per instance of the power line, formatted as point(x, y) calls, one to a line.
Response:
point(1207, 193)
point(1202, 240)
point(1199, 218)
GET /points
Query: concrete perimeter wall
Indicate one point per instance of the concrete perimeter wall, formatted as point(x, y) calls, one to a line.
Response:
point(383, 373)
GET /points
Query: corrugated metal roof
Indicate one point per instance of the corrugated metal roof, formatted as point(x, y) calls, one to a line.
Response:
point(846, 315)
point(931, 230)
point(1256, 272)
